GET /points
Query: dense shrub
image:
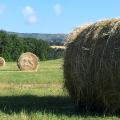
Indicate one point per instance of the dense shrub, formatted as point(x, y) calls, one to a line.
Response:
point(11, 47)
point(55, 53)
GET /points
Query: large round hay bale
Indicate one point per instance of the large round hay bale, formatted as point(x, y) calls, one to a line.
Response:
point(28, 62)
point(2, 62)
point(92, 67)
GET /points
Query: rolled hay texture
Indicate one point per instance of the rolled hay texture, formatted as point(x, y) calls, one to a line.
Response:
point(28, 62)
point(73, 35)
point(92, 67)
point(2, 62)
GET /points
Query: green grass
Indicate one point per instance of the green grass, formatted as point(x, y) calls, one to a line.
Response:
point(38, 104)
point(48, 72)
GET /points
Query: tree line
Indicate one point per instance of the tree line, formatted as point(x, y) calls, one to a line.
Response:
point(12, 46)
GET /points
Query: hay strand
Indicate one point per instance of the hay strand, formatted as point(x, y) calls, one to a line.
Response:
point(73, 35)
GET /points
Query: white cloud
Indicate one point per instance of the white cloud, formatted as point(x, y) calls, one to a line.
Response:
point(28, 11)
point(57, 9)
point(29, 14)
point(32, 19)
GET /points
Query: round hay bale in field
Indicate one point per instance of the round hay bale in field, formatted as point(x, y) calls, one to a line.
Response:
point(92, 67)
point(28, 62)
point(2, 62)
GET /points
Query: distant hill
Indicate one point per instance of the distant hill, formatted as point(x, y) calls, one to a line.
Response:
point(53, 39)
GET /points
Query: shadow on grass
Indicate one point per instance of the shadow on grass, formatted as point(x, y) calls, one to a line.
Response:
point(47, 104)
point(30, 104)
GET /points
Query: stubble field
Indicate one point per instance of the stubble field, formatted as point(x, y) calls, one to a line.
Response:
point(38, 95)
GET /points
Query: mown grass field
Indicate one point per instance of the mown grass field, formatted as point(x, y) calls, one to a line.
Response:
point(48, 72)
point(38, 95)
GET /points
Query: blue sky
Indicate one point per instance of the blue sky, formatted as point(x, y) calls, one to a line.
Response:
point(54, 16)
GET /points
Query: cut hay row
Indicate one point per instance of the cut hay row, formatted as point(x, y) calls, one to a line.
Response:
point(30, 86)
point(92, 66)
point(61, 47)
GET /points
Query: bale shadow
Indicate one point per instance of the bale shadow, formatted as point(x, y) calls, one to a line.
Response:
point(47, 104)
point(30, 104)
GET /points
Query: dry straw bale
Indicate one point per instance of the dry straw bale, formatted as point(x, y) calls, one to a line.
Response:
point(73, 35)
point(2, 62)
point(28, 62)
point(92, 67)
